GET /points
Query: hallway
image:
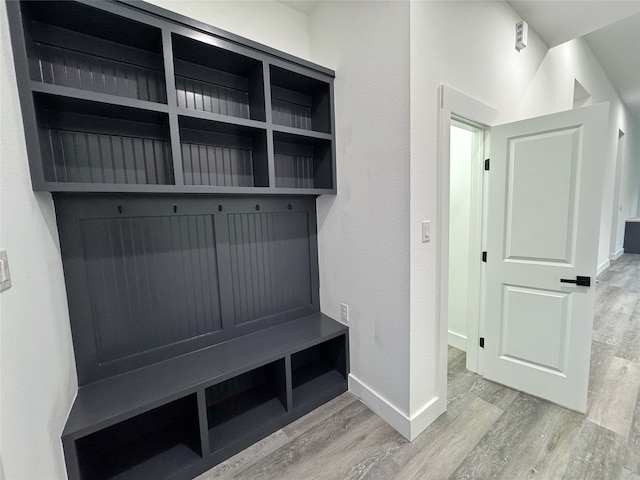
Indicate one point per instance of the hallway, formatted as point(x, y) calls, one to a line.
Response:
point(489, 431)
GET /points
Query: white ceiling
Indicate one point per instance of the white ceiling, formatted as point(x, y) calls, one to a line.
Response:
point(610, 27)
point(303, 6)
point(617, 48)
point(561, 20)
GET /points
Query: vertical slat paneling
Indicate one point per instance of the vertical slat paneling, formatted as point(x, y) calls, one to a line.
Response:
point(207, 97)
point(58, 66)
point(152, 282)
point(216, 165)
point(291, 114)
point(294, 171)
point(269, 263)
point(100, 158)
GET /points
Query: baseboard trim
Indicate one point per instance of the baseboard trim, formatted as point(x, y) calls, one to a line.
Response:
point(617, 255)
point(408, 427)
point(603, 266)
point(458, 341)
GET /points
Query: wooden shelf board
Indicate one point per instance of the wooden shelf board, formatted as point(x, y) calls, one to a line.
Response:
point(76, 93)
point(217, 117)
point(311, 134)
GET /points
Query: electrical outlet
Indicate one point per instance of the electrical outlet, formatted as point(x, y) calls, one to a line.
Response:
point(344, 312)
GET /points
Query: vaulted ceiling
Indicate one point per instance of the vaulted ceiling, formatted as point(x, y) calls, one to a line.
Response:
point(610, 27)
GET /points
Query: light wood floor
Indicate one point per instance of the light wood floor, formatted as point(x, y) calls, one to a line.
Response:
point(489, 431)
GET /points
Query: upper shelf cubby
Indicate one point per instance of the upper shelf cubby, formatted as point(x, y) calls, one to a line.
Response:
point(300, 101)
point(82, 47)
point(215, 80)
point(89, 142)
point(223, 155)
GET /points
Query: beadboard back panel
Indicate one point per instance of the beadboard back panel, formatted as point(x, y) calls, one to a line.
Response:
point(152, 278)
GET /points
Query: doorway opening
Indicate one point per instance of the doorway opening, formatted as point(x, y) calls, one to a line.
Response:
point(466, 168)
point(473, 119)
point(542, 248)
point(618, 217)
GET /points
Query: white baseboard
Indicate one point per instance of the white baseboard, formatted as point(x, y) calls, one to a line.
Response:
point(603, 266)
point(617, 255)
point(458, 341)
point(408, 427)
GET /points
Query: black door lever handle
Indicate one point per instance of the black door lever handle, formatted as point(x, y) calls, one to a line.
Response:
point(582, 281)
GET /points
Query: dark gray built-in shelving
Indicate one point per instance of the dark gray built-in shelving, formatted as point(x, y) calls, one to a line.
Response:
point(88, 68)
point(183, 162)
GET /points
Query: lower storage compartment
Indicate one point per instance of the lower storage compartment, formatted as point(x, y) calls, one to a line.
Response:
point(241, 405)
point(318, 371)
point(154, 444)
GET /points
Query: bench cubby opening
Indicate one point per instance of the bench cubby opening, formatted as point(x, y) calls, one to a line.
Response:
point(242, 404)
point(318, 370)
point(153, 444)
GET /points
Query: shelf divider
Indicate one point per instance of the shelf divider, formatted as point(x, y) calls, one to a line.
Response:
point(202, 420)
point(172, 102)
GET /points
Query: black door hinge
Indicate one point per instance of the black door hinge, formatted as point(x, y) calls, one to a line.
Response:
point(486, 164)
point(481, 342)
point(484, 257)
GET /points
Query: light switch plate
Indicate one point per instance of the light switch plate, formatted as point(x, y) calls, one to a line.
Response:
point(426, 231)
point(344, 312)
point(5, 274)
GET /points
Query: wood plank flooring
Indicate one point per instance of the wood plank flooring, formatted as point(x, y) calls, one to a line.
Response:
point(489, 431)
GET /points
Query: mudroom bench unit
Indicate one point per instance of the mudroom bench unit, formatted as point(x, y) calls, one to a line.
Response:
point(184, 164)
point(177, 418)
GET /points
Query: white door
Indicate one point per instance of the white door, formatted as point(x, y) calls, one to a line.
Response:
point(543, 219)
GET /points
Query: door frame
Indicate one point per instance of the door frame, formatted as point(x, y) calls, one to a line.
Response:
point(475, 238)
point(456, 104)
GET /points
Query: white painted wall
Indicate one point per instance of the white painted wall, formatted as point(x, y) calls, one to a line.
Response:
point(38, 380)
point(551, 90)
point(461, 154)
point(265, 21)
point(469, 46)
point(363, 232)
